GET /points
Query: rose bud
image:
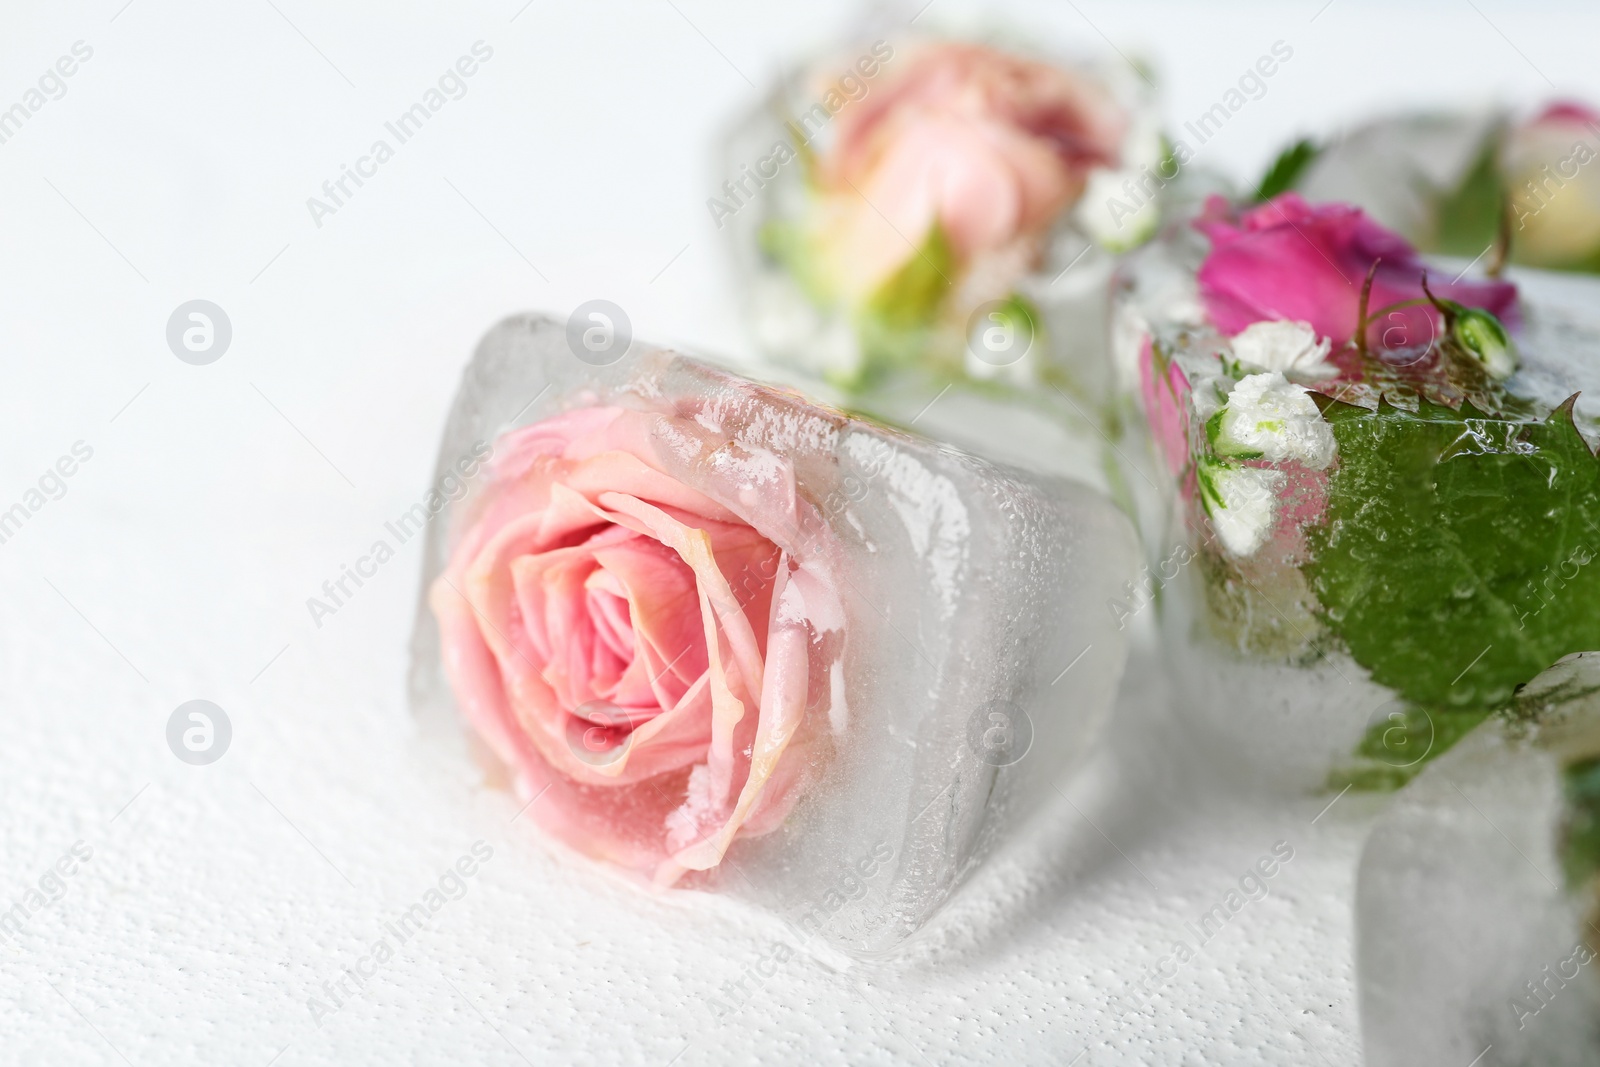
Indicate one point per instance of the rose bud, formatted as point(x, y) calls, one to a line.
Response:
point(1553, 182)
point(718, 636)
point(1486, 340)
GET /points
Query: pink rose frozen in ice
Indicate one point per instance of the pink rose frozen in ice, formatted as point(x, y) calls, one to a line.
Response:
point(990, 146)
point(643, 654)
point(1289, 260)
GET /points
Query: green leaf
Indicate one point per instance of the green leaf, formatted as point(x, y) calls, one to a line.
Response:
point(788, 244)
point(1287, 169)
point(910, 298)
point(1455, 560)
point(1580, 853)
point(1468, 217)
point(1391, 754)
point(895, 325)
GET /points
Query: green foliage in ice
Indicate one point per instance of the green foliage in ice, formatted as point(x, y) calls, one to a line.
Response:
point(1286, 170)
point(1580, 854)
point(1455, 564)
point(1398, 746)
point(909, 300)
point(1455, 558)
point(1468, 217)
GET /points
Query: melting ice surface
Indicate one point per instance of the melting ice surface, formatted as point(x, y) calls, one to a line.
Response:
point(1470, 931)
point(970, 591)
point(1289, 712)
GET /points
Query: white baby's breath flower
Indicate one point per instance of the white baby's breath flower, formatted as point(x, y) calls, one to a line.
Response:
point(1268, 417)
point(1288, 347)
point(1115, 211)
point(1242, 503)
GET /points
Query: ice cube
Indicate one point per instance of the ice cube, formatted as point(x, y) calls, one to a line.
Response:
point(1024, 320)
point(1476, 897)
point(972, 663)
point(1279, 623)
point(1400, 167)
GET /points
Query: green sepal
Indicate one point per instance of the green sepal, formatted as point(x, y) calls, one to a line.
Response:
point(1287, 169)
point(911, 297)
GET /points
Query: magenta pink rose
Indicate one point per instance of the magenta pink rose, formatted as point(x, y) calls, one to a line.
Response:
point(1567, 114)
point(640, 652)
point(990, 146)
point(1286, 259)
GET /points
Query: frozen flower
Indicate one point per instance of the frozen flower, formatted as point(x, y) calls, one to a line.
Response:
point(1268, 417)
point(980, 146)
point(1109, 216)
point(1288, 347)
point(1287, 259)
point(1242, 503)
point(639, 645)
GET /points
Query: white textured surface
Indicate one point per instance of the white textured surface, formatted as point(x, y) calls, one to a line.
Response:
point(177, 564)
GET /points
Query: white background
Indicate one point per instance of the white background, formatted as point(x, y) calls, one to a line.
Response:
point(218, 498)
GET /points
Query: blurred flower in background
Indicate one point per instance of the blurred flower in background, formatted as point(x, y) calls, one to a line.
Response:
point(1459, 184)
point(1548, 165)
point(938, 181)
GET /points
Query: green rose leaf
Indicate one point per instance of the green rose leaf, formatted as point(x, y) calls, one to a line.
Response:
point(1286, 170)
point(895, 323)
point(1468, 217)
point(1455, 559)
point(910, 298)
point(1581, 834)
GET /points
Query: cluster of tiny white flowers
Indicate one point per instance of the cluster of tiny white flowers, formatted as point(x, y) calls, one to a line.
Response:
point(1263, 416)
